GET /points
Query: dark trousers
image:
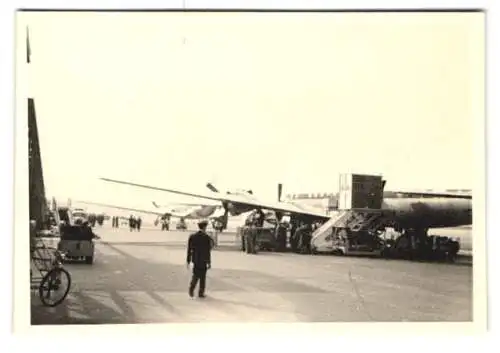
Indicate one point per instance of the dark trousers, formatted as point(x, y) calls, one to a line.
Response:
point(281, 242)
point(251, 241)
point(199, 273)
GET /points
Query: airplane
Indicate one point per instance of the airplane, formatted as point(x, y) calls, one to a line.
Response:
point(189, 211)
point(195, 211)
point(414, 211)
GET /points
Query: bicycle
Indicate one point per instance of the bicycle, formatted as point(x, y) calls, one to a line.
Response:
point(49, 263)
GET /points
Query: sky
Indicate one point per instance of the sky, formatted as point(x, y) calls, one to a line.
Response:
point(249, 100)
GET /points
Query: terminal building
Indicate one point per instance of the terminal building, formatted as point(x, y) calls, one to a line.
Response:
point(357, 191)
point(322, 200)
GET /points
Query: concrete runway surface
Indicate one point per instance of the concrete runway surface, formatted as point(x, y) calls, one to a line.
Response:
point(142, 278)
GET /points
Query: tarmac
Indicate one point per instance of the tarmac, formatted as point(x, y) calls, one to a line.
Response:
point(141, 277)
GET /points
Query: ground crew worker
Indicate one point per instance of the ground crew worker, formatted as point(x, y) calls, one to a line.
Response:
point(305, 239)
point(293, 235)
point(258, 218)
point(131, 222)
point(243, 232)
point(281, 236)
point(298, 238)
point(295, 238)
point(100, 219)
point(249, 238)
point(139, 221)
point(198, 252)
point(165, 225)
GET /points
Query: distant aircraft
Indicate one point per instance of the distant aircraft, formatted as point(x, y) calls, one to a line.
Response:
point(189, 211)
point(416, 211)
point(193, 211)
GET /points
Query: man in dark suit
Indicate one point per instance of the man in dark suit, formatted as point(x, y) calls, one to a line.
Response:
point(198, 253)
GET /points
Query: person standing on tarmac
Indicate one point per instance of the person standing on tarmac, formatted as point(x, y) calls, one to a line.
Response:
point(131, 222)
point(139, 221)
point(305, 239)
point(281, 236)
point(295, 237)
point(198, 253)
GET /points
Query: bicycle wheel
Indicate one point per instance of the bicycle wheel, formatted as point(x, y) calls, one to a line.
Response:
point(54, 287)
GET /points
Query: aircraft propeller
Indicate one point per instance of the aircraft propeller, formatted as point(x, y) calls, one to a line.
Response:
point(225, 205)
point(211, 187)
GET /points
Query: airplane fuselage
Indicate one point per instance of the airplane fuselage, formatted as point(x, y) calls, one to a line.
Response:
point(414, 213)
point(425, 213)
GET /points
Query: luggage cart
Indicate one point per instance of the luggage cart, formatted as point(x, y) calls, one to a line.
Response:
point(77, 243)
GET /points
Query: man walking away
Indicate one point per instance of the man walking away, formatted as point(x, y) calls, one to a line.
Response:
point(198, 252)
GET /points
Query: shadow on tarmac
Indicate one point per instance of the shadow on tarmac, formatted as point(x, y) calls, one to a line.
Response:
point(95, 286)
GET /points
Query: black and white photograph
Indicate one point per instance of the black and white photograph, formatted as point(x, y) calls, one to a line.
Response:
point(250, 166)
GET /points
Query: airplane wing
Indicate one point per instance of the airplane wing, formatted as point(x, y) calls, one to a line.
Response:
point(156, 205)
point(236, 199)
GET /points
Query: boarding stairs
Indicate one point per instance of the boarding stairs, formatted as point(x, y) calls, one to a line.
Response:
point(362, 220)
point(355, 220)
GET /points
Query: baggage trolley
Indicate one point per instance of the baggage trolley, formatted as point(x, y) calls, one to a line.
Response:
point(77, 243)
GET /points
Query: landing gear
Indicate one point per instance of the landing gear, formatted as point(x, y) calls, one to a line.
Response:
point(418, 245)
